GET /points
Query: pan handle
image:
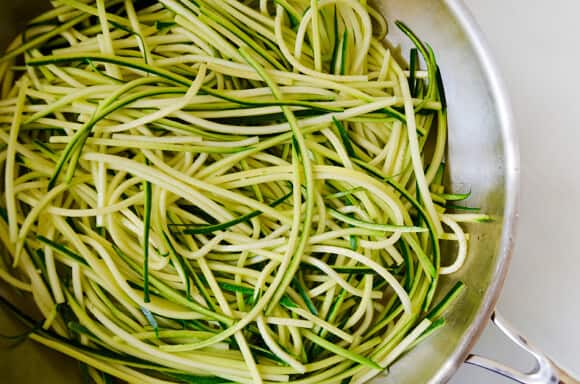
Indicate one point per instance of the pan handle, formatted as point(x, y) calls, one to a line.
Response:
point(545, 372)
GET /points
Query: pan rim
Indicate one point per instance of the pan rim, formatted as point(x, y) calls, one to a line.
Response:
point(503, 108)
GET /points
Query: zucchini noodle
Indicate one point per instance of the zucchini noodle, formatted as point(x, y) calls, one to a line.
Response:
point(218, 191)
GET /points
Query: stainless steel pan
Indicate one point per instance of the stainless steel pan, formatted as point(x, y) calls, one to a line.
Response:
point(483, 158)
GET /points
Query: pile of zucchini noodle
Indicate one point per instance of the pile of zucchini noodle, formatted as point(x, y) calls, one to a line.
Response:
point(215, 191)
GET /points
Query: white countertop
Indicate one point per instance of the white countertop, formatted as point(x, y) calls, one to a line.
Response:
point(536, 45)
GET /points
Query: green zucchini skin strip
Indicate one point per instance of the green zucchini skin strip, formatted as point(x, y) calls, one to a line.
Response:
point(373, 226)
point(101, 58)
point(194, 229)
point(146, 233)
point(340, 351)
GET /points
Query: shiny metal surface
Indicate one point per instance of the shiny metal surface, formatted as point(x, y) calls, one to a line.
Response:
point(544, 372)
point(482, 158)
